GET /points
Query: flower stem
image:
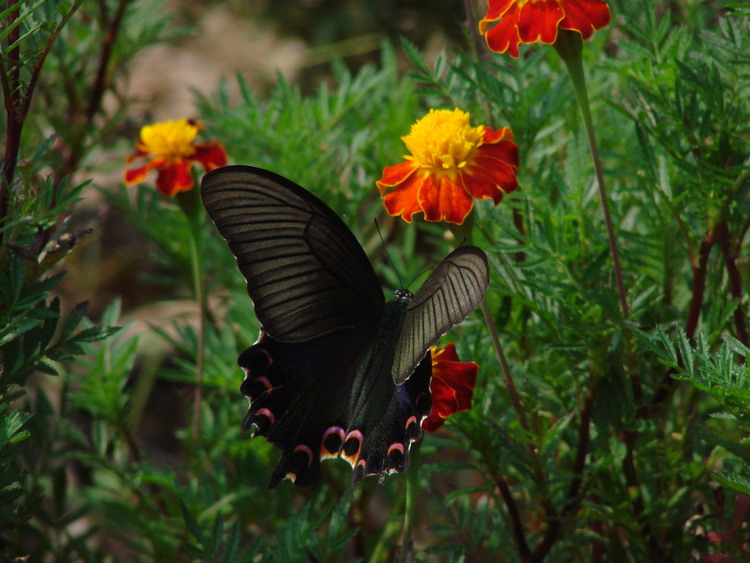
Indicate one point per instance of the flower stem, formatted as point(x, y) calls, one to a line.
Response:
point(411, 495)
point(190, 204)
point(507, 375)
point(569, 47)
point(729, 253)
point(471, 24)
point(200, 293)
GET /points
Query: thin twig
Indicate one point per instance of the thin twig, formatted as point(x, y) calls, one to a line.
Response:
point(631, 480)
point(17, 104)
point(110, 37)
point(513, 514)
point(82, 127)
point(37, 70)
point(200, 295)
point(584, 439)
point(700, 270)
point(515, 398)
point(699, 284)
point(471, 24)
point(573, 500)
point(11, 89)
point(735, 282)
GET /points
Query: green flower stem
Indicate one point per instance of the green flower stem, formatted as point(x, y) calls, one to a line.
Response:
point(190, 204)
point(388, 532)
point(464, 233)
point(569, 46)
point(412, 473)
point(515, 398)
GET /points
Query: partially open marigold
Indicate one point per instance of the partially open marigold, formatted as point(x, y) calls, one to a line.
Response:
point(451, 164)
point(452, 385)
point(170, 149)
point(532, 21)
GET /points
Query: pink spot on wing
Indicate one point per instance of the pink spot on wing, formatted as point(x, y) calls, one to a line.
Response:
point(267, 413)
point(265, 382)
point(326, 453)
point(353, 457)
point(307, 450)
point(411, 420)
point(399, 447)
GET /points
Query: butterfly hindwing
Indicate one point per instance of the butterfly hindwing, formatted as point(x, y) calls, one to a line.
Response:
point(307, 274)
point(336, 372)
point(454, 289)
point(299, 400)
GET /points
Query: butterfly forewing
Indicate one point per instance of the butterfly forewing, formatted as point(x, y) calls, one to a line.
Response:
point(334, 373)
point(454, 289)
point(306, 273)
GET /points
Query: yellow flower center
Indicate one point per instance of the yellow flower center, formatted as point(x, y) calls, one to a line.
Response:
point(443, 141)
point(169, 139)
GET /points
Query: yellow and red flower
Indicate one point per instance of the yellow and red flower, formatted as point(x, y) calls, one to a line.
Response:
point(532, 21)
point(452, 385)
point(450, 164)
point(169, 147)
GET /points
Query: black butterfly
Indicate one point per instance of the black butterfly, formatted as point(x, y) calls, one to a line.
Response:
point(336, 370)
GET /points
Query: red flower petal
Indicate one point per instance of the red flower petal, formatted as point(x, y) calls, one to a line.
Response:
point(585, 16)
point(395, 175)
point(139, 153)
point(493, 172)
point(495, 11)
point(403, 200)
point(210, 155)
point(505, 151)
point(137, 175)
point(445, 200)
point(504, 36)
point(483, 185)
point(452, 385)
point(493, 179)
point(175, 177)
point(493, 136)
point(538, 21)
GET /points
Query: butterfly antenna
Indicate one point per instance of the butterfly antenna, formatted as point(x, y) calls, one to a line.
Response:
point(433, 266)
point(420, 274)
point(385, 248)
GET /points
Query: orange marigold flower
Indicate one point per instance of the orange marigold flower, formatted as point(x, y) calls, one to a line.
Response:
point(452, 385)
point(451, 164)
point(170, 149)
point(532, 21)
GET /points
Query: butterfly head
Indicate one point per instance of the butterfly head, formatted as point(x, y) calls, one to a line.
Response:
point(403, 296)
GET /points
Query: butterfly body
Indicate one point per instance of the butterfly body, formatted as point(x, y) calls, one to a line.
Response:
point(337, 371)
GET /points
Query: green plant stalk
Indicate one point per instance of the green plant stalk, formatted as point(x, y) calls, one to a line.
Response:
point(569, 46)
point(190, 204)
point(412, 474)
point(200, 294)
point(515, 398)
point(388, 532)
point(461, 232)
point(464, 233)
